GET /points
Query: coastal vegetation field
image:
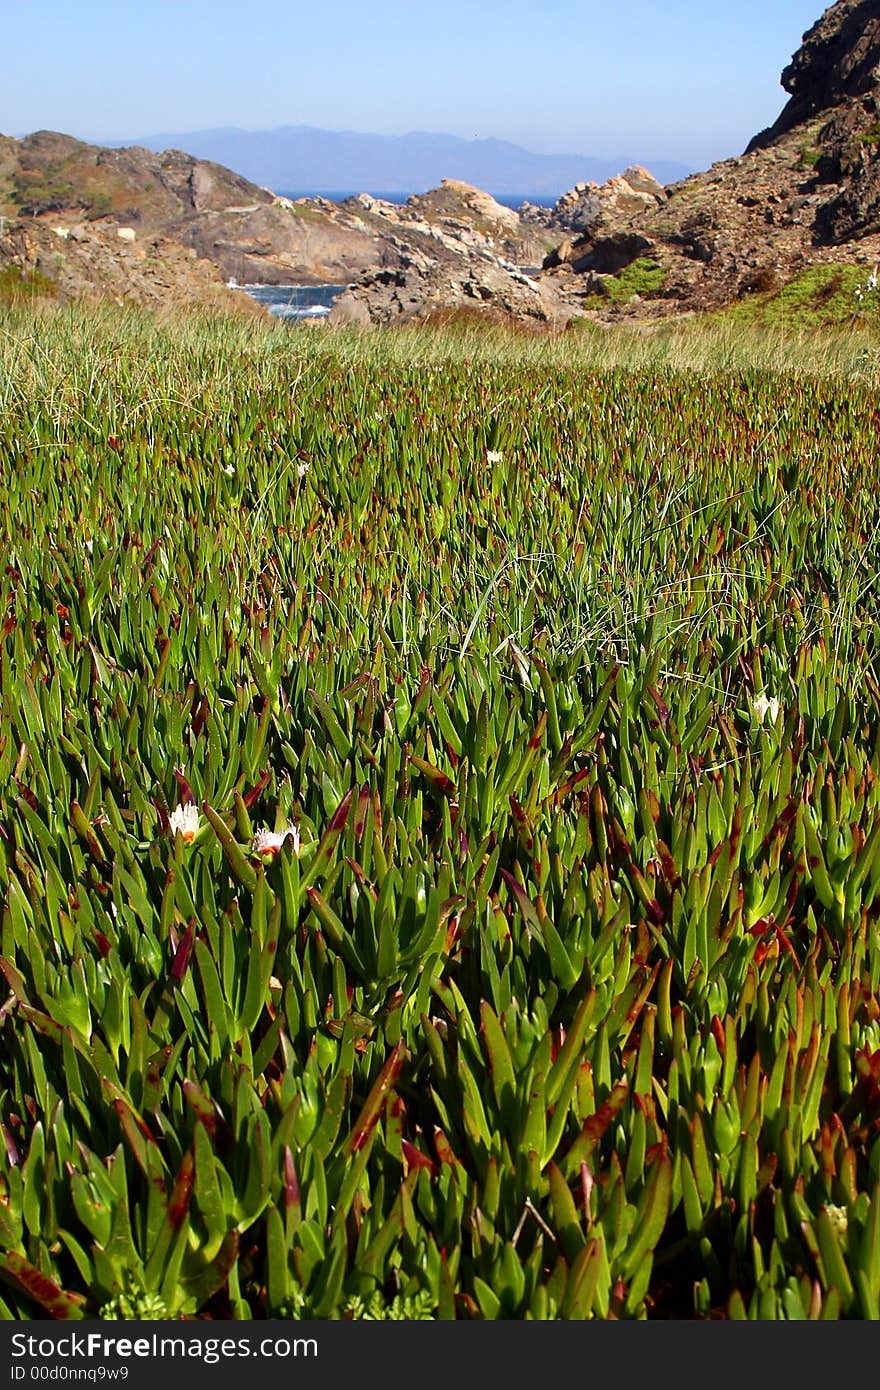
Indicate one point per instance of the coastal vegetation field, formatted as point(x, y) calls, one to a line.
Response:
point(554, 665)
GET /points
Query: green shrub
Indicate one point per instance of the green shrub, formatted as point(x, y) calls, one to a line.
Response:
point(643, 277)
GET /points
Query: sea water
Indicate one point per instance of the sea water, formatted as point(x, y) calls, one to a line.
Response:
point(339, 195)
point(293, 301)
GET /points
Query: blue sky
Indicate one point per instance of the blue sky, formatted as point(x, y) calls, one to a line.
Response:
point(685, 80)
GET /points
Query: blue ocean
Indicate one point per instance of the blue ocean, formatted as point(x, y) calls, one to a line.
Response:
point(294, 301)
point(338, 195)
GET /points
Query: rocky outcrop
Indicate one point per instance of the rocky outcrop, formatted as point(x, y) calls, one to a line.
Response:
point(449, 252)
point(458, 214)
point(315, 241)
point(452, 250)
point(438, 282)
point(284, 243)
point(836, 63)
point(628, 194)
point(806, 191)
point(74, 261)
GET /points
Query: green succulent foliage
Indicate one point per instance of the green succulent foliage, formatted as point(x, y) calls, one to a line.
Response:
point(134, 1304)
point(420, 1308)
point(563, 1002)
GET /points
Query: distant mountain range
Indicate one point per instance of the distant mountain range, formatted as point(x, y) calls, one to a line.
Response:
point(306, 159)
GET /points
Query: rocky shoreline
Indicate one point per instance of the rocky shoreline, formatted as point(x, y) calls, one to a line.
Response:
point(134, 226)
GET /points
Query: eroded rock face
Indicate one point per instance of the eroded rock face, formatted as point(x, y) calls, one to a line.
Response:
point(436, 281)
point(838, 61)
point(282, 244)
point(628, 194)
point(452, 250)
point(74, 261)
point(807, 190)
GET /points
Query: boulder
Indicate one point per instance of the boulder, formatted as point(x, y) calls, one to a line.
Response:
point(435, 284)
point(625, 195)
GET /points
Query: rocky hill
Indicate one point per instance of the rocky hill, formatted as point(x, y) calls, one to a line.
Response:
point(89, 219)
point(805, 193)
point(242, 230)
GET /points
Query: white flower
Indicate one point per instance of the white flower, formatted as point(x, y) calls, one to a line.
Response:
point(302, 469)
point(838, 1218)
point(185, 819)
point(494, 456)
point(267, 843)
point(762, 707)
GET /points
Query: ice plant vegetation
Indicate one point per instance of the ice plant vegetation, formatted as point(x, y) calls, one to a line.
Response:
point(565, 1004)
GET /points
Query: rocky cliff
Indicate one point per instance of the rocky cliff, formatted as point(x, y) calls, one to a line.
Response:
point(806, 192)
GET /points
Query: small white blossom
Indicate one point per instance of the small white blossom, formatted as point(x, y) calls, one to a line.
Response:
point(838, 1218)
point(863, 292)
point(185, 819)
point(494, 456)
point(267, 843)
point(302, 469)
point(763, 706)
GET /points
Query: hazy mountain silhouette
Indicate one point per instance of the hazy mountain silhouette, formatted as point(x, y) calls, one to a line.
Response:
point(304, 158)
